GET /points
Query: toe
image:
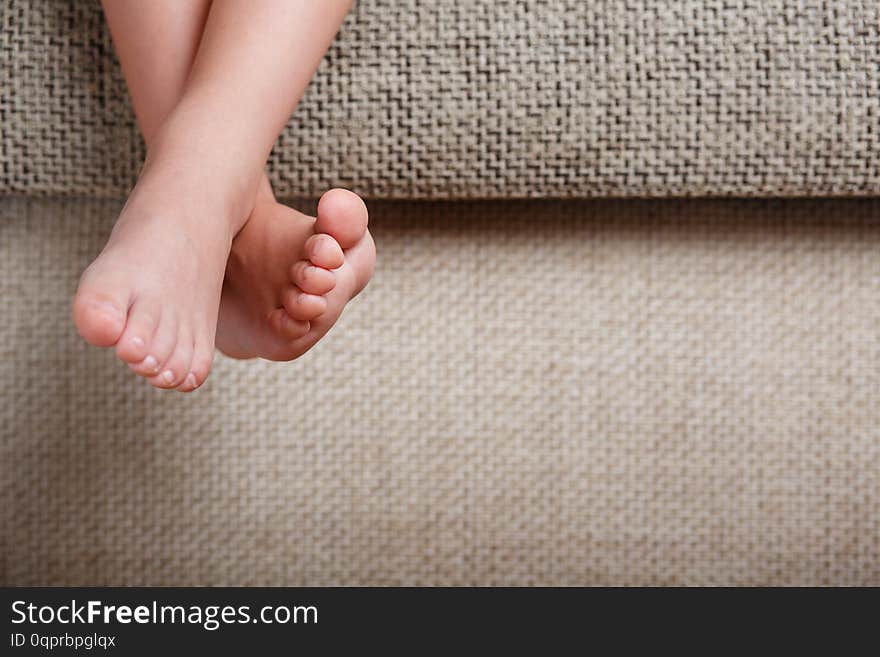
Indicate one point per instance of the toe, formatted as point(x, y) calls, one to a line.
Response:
point(161, 347)
point(286, 326)
point(134, 345)
point(189, 384)
point(324, 251)
point(311, 279)
point(203, 358)
point(302, 306)
point(342, 215)
point(100, 315)
point(177, 367)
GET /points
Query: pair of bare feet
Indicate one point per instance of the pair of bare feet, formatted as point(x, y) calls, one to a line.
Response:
point(182, 272)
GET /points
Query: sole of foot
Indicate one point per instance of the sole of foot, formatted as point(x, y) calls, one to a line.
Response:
point(290, 275)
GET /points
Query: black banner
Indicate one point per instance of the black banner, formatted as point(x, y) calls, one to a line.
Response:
point(135, 621)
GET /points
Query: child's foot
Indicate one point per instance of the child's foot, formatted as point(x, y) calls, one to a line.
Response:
point(154, 291)
point(290, 275)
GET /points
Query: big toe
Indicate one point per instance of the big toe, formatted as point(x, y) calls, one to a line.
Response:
point(100, 315)
point(342, 215)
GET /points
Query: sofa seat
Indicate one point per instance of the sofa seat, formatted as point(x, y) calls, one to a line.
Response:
point(548, 392)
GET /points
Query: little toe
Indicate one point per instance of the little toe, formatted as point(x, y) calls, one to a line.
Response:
point(189, 384)
point(177, 367)
point(203, 359)
point(302, 306)
point(311, 279)
point(342, 215)
point(324, 251)
point(286, 326)
point(134, 345)
point(100, 316)
point(161, 347)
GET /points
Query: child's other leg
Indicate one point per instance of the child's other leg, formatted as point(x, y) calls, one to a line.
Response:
point(153, 291)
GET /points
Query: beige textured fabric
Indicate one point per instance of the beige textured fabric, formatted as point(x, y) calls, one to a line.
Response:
point(468, 98)
point(528, 393)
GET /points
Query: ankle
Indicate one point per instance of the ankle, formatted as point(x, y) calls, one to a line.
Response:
point(189, 159)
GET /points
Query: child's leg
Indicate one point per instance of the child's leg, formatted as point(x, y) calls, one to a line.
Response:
point(156, 44)
point(153, 291)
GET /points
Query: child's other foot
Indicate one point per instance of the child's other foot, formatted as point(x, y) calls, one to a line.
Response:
point(290, 275)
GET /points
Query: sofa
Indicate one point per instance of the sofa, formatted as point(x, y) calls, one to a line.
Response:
point(623, 328)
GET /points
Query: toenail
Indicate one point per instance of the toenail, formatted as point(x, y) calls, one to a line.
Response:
point(168, 375)
point(137, 342)
point(191, 381)
point(150, 363)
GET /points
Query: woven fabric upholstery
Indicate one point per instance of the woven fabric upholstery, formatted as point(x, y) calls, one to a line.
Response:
point(467, 98)
point(607, 392)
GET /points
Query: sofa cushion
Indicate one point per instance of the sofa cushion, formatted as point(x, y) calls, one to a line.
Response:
point(690, 394)
point(460, 98)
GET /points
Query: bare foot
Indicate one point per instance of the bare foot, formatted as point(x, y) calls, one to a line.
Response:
point(154, 291)
point(289, 275)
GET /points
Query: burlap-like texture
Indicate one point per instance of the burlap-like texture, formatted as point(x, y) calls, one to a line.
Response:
point(528, 393)
point(465, 98)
